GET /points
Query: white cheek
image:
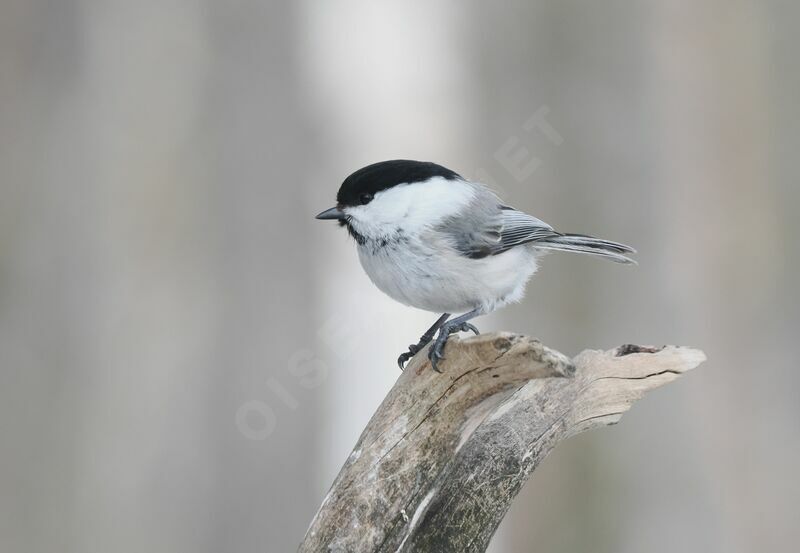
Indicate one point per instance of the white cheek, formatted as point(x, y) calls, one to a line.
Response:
point(412, 207)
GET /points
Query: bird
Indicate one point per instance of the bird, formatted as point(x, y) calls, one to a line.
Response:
point(431, 239)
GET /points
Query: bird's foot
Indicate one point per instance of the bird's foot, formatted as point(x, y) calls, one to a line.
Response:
point(424, 340)
point(436, 353)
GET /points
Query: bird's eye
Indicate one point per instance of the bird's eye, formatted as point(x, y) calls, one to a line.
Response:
point(365, 198)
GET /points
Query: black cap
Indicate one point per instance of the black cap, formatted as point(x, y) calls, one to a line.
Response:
point(385, 174)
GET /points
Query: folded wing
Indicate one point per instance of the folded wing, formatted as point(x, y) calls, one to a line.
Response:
point(497, 230)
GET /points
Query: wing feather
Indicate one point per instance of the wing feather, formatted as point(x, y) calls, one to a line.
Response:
point(490, 228)
point(520, 228)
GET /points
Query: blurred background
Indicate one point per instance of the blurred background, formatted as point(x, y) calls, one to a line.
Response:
point(187, 356)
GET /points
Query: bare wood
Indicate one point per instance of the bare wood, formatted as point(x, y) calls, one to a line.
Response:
point(444, 455)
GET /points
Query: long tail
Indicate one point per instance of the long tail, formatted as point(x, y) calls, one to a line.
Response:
point(579, 243)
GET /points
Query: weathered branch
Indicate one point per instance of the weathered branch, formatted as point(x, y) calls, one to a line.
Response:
point(441, 460)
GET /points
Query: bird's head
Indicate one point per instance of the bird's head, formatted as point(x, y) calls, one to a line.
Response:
point(397, 197)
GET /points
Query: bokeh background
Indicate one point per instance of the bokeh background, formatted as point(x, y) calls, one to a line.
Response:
point(187, 356)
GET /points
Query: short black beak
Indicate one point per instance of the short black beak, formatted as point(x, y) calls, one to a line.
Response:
point(332, 213)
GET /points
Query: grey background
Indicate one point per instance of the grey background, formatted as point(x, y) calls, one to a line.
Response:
point(186, 356)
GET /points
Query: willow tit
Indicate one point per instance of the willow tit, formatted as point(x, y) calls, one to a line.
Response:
point(433, 240)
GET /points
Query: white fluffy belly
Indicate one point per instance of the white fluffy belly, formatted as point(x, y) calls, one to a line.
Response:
point(436, 278)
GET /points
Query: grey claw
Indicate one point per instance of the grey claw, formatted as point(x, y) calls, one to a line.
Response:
point(436, 352)
point(401, 361)
point(435, 361)
point(413, 349)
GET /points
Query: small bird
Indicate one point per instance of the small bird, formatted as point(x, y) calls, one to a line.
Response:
point(433, 240)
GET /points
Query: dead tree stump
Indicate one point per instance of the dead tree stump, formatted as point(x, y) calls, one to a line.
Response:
point(444, 455)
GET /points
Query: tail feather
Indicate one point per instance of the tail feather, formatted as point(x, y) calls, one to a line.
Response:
point(613, 251)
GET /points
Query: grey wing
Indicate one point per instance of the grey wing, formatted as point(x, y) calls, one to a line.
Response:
point(520, 228)
point(477, 231)
point(489, 228)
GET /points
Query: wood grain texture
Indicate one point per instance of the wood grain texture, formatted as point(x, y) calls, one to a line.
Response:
point(444, 455)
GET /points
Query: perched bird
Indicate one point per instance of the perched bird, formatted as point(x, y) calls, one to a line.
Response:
point(431, 239)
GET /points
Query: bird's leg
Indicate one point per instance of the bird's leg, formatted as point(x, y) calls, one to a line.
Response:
point(413, 349)
point(457, 324)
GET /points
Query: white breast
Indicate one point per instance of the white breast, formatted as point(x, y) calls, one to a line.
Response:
point(430, 275)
